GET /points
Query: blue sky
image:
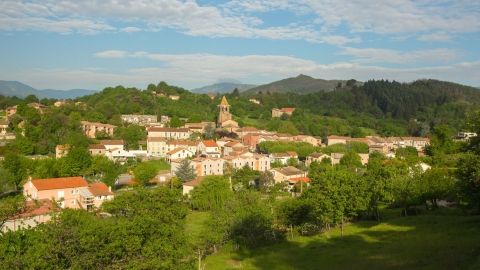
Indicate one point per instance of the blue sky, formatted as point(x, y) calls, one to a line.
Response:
point(92, 44)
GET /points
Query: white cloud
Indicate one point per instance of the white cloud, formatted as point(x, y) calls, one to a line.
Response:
point(435, 37)
point(131, 29)
point(378, 55)
point(194, 70)
point(403, 16)
point(185, 16)
point(111, 54)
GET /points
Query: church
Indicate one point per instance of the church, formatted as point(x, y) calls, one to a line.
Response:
point(225, 120)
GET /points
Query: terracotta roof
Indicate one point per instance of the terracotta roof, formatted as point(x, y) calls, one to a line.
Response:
point(292, 153)
point(316, 155)
point(338, 137)
point(233, 143)
point(35, 208)
point(164, 129)
point(210, 143)
point(59, 183)
point(111, 142)
point(300, 179)
point(224, 101)
point(182, 142)
point(99, 189)
point(289, 170)
point(96, 146)
point(288, 110)
point(195, 182)
point(175, 150)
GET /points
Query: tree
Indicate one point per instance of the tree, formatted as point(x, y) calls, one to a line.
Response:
point(18, 166)
point(209, 132)
point(468, 174)
point(10, 206)
point(244, 178)
point(378, 178)
point(185, 171)
point(75, 163)
point(265, 181)
point(175, 122)
point(145, 172)
point(211, 194)
point(351, 160)
point(406, 187)
point(437, 184)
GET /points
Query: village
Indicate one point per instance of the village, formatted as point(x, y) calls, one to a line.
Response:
point(205, 156)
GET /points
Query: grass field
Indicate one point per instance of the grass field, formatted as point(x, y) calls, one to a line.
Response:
point(444, 240)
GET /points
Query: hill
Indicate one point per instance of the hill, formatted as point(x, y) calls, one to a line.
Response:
point(225, 87)
point(18, 89)
point(302, 84)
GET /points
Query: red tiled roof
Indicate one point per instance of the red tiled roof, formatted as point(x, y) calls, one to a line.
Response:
point(99, 189)
point(210, 143)
point(32, 208)
point(195, 182)
point(156, 139)
point(59, 183)
point(164, 129)
point(96, 146)
point(288, 110)
point(175, 151)
point(300, 179)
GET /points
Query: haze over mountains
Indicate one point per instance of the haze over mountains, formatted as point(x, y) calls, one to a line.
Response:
point(223, 87)
point(18, 89)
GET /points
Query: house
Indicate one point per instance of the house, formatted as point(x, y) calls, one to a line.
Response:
point(245, 130)
point(465, 136)
point(61, 150)
point(3, 126)
point(279, 112)
point(139, 119)
point(179, 153)
point(308, 139)
point(315, 157)
point(169, 133)
point(336, 157)
point(233, 148)
point(209, 148)
point(303, 182)
point(125, 179)
point(364, 158)
point(192, 146)
point(334, 139)
point(156, 147)
point(63, 190)
point(251, 140)
point(286, 173)
point(283, 158)
point(94, 196)
point(60, 103)
point(34, 213)
point(38, 106)
point(255, 161)
point(10, 111)
point(200, 127)
point(187, 187)
point(202, 165)
point(255, 101)
point(92, 128)
point(97, 149)
point(174, 97)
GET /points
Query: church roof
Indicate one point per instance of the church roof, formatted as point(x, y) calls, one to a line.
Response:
point(224, 101)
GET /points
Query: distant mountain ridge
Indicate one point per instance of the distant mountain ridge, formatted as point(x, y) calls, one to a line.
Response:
point(21, 90)
point(225, 87)
point(302, 84)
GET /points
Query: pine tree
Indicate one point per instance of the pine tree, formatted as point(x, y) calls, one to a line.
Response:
point(185, 172)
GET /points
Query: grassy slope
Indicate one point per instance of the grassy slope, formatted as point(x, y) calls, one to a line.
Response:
point(422, 242)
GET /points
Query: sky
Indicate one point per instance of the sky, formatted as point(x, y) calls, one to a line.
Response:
point(92, 44)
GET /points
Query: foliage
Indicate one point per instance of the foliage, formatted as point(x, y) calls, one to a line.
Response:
point(468, 174)
point(301, 148)
point(144, 172)
point(148, 228)
point(211, 194)
point(185, 171)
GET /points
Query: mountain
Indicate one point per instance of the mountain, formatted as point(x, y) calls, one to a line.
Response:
point(224, 87)
point(14, 88)
point(302, 84)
